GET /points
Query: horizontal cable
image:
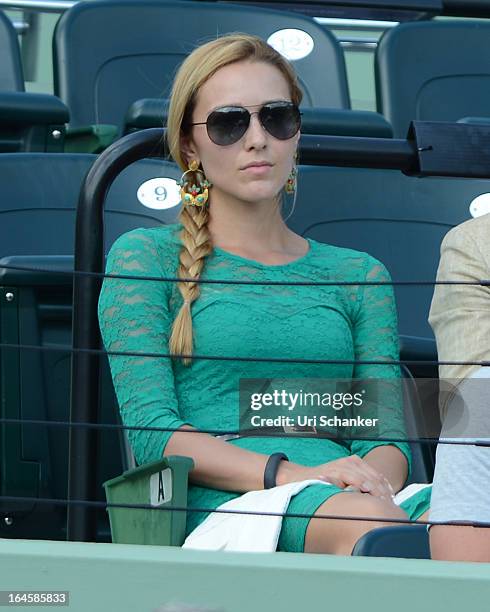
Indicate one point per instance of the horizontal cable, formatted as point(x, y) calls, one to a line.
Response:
point(67, 349)
point(220, 432)
point(105, 505)
point(175, 279)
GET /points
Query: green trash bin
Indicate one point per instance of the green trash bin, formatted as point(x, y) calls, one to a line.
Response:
point(160, 484)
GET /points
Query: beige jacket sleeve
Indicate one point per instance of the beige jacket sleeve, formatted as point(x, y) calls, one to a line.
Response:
point(460, 314)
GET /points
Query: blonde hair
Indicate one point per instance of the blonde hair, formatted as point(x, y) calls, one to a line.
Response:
point(197, 68)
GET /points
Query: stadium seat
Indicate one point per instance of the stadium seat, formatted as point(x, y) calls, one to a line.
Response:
point(433, 71)
point(407, 541)
point(101, 70)
point(11, 76)
point(28, 121)
point(38, 198)
point(400, 220)
point(162, 484)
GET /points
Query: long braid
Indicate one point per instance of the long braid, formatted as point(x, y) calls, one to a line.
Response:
point(196, 246)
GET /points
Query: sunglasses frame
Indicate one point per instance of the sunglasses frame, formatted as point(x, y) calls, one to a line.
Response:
point(278, 103)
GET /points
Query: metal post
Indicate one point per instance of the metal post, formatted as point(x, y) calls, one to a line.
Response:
point(89, 257)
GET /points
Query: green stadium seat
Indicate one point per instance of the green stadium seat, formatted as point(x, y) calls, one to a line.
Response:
point(407, 541)
point(162, 484)
point(38, 198)
point(28, 121)
point(11, 76)
point(101, 70)
point(433, 71)
point(386, 213)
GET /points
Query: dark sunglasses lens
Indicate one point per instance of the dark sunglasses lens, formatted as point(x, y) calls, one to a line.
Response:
point(227, 125)
point(281, 121)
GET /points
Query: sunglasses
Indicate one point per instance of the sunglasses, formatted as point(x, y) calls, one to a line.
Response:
point(228, 124)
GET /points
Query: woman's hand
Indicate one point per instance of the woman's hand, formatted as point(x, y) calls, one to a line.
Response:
point(352, 473)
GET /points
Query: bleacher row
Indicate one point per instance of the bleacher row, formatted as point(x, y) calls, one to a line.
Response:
point(431, 70)
point(112, 80)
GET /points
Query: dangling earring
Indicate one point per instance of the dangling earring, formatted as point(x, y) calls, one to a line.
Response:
point(290, 186)
point(194, 195)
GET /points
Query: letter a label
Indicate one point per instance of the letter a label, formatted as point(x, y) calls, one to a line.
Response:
point(161, 487)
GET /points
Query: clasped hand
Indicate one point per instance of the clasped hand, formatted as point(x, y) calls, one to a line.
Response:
point(349, 473)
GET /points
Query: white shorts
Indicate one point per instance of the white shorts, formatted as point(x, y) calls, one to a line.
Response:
point(461, 486)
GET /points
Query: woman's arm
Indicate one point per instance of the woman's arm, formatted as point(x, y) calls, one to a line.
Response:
point(134, 317)
point(375, 334)
point(218, 464)
point(391, 462)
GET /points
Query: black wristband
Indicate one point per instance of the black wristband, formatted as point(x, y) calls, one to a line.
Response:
point(271, 468)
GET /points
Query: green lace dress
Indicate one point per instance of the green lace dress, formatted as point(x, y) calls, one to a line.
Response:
point(330, 322)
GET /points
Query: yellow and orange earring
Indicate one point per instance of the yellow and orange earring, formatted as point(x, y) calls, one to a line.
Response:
point(196, 194)
point(290, 186)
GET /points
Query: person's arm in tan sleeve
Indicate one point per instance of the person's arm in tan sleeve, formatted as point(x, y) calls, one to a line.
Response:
point(460, 314)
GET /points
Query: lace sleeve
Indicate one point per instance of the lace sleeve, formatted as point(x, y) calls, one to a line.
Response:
point(376, 339)
point(134, 317)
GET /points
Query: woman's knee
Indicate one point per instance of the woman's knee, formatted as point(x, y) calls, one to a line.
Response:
point(362, 512)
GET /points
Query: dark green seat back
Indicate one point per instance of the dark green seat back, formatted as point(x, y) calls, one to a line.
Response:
point(11, 75)
point(38, 197)
point(108, 54)
point(406, 542)
point(401, 221)
point(398, 219)
point(28, 121)
point(433, 71)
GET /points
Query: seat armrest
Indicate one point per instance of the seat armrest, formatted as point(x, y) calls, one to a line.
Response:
point(161, 484)
point(33, 270)
point(31, 122)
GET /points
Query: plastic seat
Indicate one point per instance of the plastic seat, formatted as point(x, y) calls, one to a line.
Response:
point(162, 484)
point(400, 220)
point(405, 541)
point(28, 121)
point(38, 198)
point(433, 71)
point(11, 75)
point(101, 70)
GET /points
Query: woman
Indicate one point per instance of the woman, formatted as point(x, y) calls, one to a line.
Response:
point(233, 128)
